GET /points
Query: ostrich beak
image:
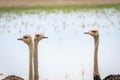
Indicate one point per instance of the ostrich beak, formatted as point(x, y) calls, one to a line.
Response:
point(19, 38)
point(45, 37)
point(86, 32)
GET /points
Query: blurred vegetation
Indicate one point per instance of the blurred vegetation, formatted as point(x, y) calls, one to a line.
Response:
point(66, 8)
point(7, 19)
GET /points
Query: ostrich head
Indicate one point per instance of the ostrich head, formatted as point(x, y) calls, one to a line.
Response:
point(39, 36)
point(94, 33)
point(27, 39)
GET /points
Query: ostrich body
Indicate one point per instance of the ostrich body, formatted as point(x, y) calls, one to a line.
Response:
point(112, 77)
point(37, 38)
point(13, 77)
point(28, 40)
point(95, 35)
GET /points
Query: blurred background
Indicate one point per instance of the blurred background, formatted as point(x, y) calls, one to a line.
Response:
point(68, 53)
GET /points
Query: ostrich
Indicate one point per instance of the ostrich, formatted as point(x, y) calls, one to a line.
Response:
point(96, 76)
point(95, 34)
point(37, 38)
point(28, 40)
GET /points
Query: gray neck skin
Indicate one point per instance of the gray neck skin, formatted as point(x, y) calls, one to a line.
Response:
point(30, 61)
point(96, 42)
point(36, 72)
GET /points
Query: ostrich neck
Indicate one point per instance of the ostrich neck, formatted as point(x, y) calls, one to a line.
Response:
point(35, 47)
point(36, 73)
point(31, 62)
point(96, 42)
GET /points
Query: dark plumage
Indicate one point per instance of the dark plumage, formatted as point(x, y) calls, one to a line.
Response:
point(13, 77)
point(112, 77)
point(97, 77)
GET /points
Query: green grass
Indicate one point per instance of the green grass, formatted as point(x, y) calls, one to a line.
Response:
point(66, 8)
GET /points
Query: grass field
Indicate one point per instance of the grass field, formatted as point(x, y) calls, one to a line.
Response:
point(65, 8)
point(52, 5)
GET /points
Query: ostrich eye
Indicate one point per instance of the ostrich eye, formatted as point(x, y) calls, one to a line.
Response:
point(37, 35)
point(94, 31)
point(25, 37)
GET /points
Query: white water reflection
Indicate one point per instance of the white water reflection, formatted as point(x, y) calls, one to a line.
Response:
point(67, 52)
